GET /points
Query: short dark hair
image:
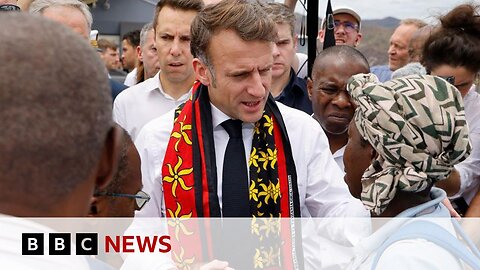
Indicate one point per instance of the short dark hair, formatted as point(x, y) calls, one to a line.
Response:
point(186, 5)
point(456, 41)
point(55, 122)
point(133, 37)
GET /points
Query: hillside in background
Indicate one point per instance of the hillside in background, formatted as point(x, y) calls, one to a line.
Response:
point(376, 37)
point(375, 41)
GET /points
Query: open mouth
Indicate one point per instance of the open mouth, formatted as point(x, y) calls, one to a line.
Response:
point(251, 103)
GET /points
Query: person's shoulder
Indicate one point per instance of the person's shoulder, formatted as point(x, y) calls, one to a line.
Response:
point(379, 68)
point(158, 128)
point(292, 116)
point(116, 87)
point(137, 89)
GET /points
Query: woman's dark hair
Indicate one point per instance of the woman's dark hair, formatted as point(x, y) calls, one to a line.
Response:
point(456, 42)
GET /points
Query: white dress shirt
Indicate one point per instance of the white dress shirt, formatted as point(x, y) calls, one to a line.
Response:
point(338, 157)
point(131, 78)
point(469, 169)
point(322, 190)
point(139, 104)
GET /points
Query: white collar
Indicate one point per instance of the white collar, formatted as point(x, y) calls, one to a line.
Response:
point(219, 117)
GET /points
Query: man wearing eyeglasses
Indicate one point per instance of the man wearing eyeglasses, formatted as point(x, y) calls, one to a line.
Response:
point(347, 27)
point(123, 196)
point(347, 24)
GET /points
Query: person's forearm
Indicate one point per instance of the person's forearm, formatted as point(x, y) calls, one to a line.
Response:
point(474, 208)
point(451, 185)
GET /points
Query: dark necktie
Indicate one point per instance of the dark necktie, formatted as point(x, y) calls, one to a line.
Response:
point(235, 201)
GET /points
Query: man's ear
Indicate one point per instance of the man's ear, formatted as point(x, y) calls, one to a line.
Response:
point(201, 71)
point(321, 35)
point(310, 88)
point(93, 212)
point(139, 54)
point(108, 163)
point(358, 39)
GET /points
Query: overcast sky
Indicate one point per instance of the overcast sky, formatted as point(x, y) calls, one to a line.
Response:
point(400, 9)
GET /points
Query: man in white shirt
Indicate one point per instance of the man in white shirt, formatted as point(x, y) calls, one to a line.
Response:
point(56, 145)
point(130, 42)
point(234, 64)
point(332, 106)
point(139, 104)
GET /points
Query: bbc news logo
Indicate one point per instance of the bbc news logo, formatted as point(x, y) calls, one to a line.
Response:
point(87, 244)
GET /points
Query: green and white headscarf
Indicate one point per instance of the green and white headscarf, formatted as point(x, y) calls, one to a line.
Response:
point(417, 126)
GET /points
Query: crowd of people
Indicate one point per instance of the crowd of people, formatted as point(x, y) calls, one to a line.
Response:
point(217, 118)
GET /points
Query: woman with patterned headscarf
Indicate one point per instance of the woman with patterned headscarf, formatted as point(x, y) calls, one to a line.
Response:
point(406, 135)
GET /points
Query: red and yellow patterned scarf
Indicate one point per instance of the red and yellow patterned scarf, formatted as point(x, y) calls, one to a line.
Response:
point(190, 177)
point(189, 174)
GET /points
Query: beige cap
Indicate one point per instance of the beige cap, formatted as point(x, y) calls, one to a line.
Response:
point(346, 10)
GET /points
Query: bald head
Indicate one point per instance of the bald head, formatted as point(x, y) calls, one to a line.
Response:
point(55, 113)
point(342, 53)
point(332, 106)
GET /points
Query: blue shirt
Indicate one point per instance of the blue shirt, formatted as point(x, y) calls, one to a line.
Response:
point(295, 94)
point(383, 72)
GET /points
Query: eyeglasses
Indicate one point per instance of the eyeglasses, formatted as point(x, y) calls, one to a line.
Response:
point(348, 26)
point(9, 7)
point(141, 198)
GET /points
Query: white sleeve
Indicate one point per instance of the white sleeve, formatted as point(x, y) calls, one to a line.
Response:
point(146, 148)
point(469, 169)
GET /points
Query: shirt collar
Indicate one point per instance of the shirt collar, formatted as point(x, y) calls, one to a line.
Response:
point(219, 117)
point(154, 84)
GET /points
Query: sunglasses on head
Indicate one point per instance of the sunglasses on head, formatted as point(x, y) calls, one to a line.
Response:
point(449, 79)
